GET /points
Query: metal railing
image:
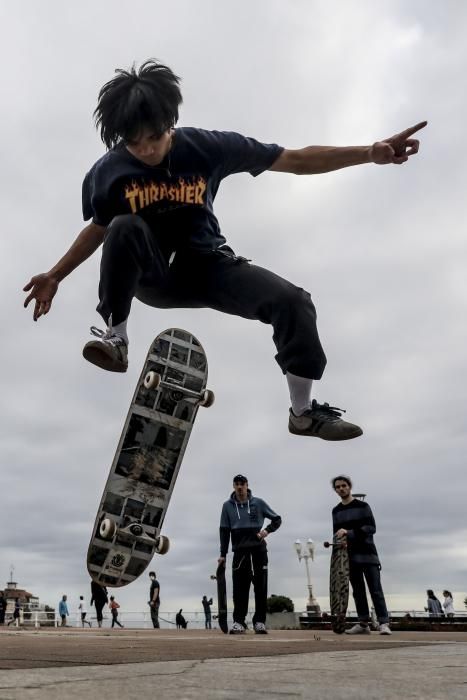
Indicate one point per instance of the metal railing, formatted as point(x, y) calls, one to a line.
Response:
point(141, 619)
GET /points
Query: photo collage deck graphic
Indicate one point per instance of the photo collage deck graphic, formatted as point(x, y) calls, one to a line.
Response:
point(148, 459)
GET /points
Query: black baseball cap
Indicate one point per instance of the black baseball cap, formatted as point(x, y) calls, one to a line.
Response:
point(240, 479)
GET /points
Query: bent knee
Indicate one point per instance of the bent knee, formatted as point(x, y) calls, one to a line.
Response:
point(125, 223)
point(296, 300)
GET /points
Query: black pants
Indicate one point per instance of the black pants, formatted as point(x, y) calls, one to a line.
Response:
point(155, 616)
point(248, 566)
point(371, 573)
point(115, 620)
point(134, 265)
point(99, 607)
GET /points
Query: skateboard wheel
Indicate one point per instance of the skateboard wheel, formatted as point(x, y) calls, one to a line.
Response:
point(163, 544)
point(107, 529)
point(152, 380)
point(208, 398)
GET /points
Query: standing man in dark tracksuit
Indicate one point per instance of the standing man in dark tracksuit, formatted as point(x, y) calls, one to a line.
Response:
point(242, 520)
point(353, 520)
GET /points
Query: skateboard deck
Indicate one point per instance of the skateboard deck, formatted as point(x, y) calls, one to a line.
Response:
point(338, 583)
point(127, 529)
point(221, 597)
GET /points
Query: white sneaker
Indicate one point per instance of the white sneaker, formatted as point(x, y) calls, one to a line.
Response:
point(358, 629)
point(109, 351)
point(384, 628)
point(237, 628)
point(260, 628)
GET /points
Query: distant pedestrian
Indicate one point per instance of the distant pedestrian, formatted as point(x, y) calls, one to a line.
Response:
point(207, 612)
point(154, 599)
point(353, 522)
point(99, 598)
point(433, 605)
point(114, 606)
point(448, 604)
point(63, 610)
point(2, 608)
point(83, 612)
point(16, 613)
point(180, 620)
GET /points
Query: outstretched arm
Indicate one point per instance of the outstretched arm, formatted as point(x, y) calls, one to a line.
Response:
point(43, 287)
point(313, 160)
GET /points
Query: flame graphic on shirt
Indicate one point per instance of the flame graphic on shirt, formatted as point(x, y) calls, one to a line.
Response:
point(182, 191)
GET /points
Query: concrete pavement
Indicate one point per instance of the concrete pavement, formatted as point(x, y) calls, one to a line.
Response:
point(195, 664)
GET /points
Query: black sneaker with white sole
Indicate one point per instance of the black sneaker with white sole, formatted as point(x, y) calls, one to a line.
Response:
point(108, 351)
point(323, 421)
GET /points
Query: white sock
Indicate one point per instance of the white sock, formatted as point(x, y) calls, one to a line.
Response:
point(120, 329)
point(300, 393)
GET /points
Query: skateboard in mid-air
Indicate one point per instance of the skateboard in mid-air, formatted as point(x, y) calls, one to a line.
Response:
point(127, 529)
point(219, 576)
point(339, 583)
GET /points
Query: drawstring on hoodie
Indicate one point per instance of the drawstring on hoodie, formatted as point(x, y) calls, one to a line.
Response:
point(238, 512)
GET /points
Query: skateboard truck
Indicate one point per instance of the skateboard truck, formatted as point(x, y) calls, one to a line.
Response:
point(153, 380)
point(341, 543)
point(109, 528)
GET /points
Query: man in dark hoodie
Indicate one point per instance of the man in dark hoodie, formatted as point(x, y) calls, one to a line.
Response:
point(353, 520)
point(242, 520)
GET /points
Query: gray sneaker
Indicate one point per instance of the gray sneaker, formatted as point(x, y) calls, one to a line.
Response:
point(237, 628)
point(323, 421)
point(108, 351)
point(358, 629)
point(384, 628)
point(260, 628)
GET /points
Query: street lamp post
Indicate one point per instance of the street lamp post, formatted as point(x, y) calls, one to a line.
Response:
point(306, 552)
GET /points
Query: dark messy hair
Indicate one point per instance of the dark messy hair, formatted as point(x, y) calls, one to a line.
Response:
point(342, 477)
point(135, 99)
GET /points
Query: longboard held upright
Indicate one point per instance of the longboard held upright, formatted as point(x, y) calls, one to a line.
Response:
point(127, 529)
point(339, 583)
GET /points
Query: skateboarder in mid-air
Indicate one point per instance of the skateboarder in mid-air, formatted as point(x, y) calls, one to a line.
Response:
point(353, 519)
point(242, 520)
point(149, 200)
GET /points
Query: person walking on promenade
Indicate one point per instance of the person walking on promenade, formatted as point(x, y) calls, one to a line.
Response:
point(154, 599)
point(242, 519)
point(83, 612)
point(434, 607)
point(2, 608)
point(16, 613)
point(114, 606)
point(99, 598)
point(353, 520)
point(149, 200)
point(448, 604)
point(63, 610)
point(207, 612)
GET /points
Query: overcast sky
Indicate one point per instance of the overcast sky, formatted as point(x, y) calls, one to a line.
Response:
point(382, 251)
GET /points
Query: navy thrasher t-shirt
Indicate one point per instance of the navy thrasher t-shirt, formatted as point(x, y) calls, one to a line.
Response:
point(176, 197)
